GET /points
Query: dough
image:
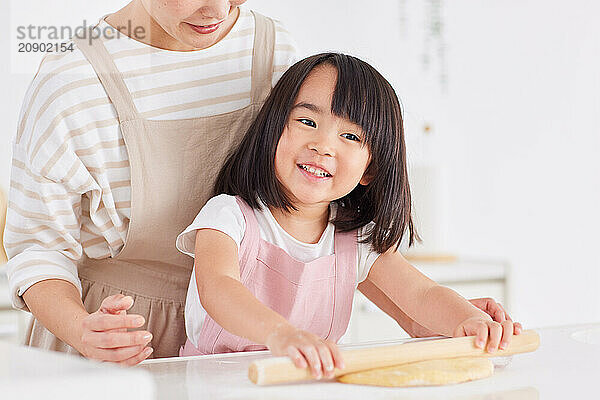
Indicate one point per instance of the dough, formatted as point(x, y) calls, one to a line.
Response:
point(424, 373)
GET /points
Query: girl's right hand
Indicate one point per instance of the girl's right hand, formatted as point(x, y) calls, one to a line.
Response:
point(306, 349)
point(105, 337)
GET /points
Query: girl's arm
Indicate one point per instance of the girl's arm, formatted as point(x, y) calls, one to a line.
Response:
point(238, 311)
point(488, 305)
point(435, 307)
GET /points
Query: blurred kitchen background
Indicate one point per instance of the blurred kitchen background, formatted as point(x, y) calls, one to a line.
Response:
point(502, 115)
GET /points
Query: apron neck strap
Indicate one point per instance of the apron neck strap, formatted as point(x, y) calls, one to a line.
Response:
point(262, 57)
point(118, 93)
point(110, 77)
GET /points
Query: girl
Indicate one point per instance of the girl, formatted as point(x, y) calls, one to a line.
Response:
point(314, 201)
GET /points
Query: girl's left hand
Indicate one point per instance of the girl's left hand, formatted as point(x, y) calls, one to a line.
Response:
point(496, 311)
point(497, 335)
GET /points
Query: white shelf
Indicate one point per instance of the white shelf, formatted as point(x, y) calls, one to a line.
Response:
point(464, 271)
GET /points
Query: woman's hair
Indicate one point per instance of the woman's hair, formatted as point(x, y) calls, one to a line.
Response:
point(365, 98)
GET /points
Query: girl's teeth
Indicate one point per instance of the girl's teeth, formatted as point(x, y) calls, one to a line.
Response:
point(314, 171)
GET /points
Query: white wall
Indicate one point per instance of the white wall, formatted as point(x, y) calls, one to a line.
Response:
point(17, 69)
point(523, 127)
point(515, 134)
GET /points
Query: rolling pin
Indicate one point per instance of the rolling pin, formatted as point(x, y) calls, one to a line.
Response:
point(282, 370)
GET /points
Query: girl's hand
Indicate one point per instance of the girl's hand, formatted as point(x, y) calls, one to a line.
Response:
point(497, 312)
point(105, 336)
point(499, 334)
point(305, 349)
point(485, 304)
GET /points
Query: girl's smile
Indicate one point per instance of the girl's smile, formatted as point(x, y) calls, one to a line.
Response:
point(320, 156)
point(314, 171)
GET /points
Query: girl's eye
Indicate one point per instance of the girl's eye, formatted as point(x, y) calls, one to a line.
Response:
point(351, 136)
point(308, 122)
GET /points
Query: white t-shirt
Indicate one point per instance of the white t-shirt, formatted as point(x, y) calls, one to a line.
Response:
point(222, 213)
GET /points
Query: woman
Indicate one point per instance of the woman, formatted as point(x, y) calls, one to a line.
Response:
point(118, 146)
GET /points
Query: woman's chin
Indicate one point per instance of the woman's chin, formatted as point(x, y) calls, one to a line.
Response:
point(198, 43)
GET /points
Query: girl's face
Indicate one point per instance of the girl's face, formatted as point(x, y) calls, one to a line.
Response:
point(320, 157)
point(195, 24)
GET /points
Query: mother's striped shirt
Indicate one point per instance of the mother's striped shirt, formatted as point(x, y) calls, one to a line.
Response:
point(70, 189)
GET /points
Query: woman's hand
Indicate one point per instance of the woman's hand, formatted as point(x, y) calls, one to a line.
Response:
point(306, 349)
point(105, 337)
point(497, 335)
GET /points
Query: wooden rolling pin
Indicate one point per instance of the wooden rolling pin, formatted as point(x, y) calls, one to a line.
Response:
point(282, 370)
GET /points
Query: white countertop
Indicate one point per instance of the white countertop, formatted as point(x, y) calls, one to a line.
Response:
point(27, 373)
point(566, 365)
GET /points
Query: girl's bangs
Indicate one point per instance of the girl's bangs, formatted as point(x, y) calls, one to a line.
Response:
point(357, 97)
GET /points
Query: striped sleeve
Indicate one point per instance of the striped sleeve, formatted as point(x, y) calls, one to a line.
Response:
point(42, 230)
point(48, 179)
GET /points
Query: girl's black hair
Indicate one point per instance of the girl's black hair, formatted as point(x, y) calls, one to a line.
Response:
point(365, 98)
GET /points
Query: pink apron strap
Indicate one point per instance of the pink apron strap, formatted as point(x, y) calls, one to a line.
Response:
point(212, 333)
point(346, 256)
point(250, 242)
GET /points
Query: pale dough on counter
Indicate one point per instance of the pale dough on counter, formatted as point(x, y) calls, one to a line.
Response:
point(424, 373)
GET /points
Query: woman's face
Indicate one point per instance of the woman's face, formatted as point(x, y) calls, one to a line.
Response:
point(195, 24)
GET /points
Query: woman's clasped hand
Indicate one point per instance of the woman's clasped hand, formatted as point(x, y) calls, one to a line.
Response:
point(105, 335)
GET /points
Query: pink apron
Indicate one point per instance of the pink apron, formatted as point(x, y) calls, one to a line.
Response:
point(314, 296)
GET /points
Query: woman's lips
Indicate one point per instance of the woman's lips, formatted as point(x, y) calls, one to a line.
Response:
point(205, 29)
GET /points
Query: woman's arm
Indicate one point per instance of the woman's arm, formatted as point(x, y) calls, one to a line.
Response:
point(42, 242)
point(101, 335)
point(57, 305)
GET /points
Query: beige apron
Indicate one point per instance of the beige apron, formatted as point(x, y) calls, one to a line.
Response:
point(173, 169)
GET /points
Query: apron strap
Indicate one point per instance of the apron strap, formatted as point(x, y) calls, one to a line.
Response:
point(110, 77)
point(262, 57)
point(118, 93)
point(249, 246)
point(346, 255)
